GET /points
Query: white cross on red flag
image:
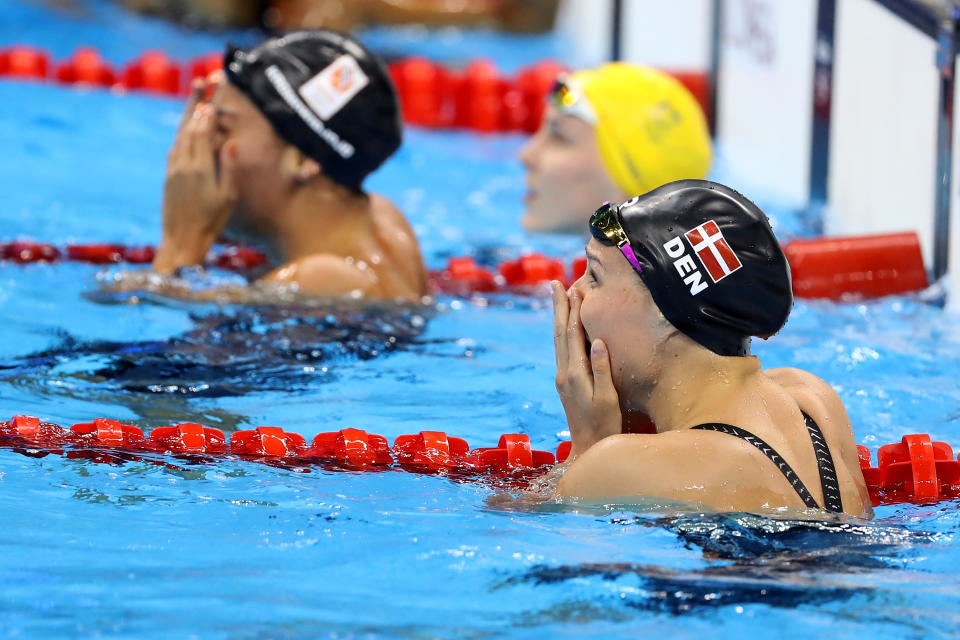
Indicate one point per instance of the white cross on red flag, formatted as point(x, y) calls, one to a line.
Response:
point(713, 250)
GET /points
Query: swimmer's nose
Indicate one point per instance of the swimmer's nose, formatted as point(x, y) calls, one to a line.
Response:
point(527, 153)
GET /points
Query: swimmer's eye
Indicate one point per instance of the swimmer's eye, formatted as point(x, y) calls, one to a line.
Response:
point(556, 134)
point(593, 277)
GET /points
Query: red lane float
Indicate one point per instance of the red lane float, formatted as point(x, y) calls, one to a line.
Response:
point(110, 253)
point(434, 452)
point(87, 67)
point(24, 63)
point(267, 441)
point(512, 450)
point(354, 447)
point(861, 266)
point(109, 433)
point(24, 252)
point(914, 470)
point(532, 269)
point(463, 276)
point(188, 437)
point(480, 99)
point(153, 71)
point(477, 97)
point(430, 451)
point(835, 268)
point(416, 81)
point(237, 258)
point(30, 428)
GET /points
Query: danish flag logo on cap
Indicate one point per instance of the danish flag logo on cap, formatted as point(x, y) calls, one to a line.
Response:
point(713, 250)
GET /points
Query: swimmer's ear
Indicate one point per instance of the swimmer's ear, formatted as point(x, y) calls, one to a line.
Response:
point(299, 166)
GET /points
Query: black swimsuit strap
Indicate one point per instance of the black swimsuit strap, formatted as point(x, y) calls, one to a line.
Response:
point(828, 473)
point(768, 451)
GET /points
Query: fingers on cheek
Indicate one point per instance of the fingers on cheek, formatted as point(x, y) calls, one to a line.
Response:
point(228, 153)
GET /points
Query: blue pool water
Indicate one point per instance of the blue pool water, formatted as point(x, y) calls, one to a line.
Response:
point(240, 550)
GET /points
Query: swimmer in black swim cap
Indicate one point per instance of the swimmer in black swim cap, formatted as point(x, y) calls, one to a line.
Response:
point(278, 156)
point(678, 281)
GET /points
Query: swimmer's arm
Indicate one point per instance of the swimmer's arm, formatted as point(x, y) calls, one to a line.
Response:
point(316, 275)
point(629, 465)
point(199, 191)
point(178, 288)
point(324, 274)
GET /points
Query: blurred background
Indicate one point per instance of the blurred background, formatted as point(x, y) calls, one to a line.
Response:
point(840, 111)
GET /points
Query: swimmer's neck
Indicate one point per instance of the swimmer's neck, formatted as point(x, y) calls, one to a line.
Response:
point(691, 389)
point(321, 218)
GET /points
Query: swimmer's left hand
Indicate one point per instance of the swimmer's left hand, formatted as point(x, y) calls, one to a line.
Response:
point(585, 384)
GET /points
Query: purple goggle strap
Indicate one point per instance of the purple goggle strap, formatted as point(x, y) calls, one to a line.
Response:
point(627, 251)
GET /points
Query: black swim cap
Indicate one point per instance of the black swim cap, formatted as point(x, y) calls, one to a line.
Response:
point(710, 260)
point(325, 94)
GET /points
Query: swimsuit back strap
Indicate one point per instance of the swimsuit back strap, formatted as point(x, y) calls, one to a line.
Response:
point(828, 473)
point(768, 451)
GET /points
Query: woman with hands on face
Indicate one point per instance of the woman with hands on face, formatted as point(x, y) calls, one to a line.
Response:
point(278, 154)
point(678, 281)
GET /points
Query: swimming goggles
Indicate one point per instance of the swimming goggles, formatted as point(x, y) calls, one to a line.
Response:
point(606, 221)
point(568, 98)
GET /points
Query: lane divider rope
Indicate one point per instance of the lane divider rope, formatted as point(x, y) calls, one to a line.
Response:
point(477, 97)
point(914, 470)
point(856, 267)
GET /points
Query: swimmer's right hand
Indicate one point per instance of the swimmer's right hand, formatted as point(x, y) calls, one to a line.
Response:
point(198, 194)
point(585, 384)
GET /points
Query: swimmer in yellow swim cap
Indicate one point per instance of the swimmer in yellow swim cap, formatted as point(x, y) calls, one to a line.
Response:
point(609, 133)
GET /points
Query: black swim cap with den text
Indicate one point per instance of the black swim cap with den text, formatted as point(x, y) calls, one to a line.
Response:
point(324, 93)
point(711, 262)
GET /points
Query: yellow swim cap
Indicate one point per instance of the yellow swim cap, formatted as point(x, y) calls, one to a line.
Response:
point(650, 129)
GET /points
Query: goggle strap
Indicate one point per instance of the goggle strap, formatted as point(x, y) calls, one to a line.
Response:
point(631, 257)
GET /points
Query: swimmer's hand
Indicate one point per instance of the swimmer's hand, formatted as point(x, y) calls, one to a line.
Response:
point(199, 192)
point(585, 384)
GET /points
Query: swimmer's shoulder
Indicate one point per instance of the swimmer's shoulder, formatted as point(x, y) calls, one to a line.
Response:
point(325, 274)
point(814, 395)
point(386, 214)
point(392, 228)
point(398, 242)
point(793, 377)
point(687, 465)
point(817, 399)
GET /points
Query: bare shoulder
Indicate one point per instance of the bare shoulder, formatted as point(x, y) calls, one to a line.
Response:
point(790, 376)
point(804, 383)
point(667, 465)
point(390, 221)
point(385, 211)
point(398, 244)
point(324, 273)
